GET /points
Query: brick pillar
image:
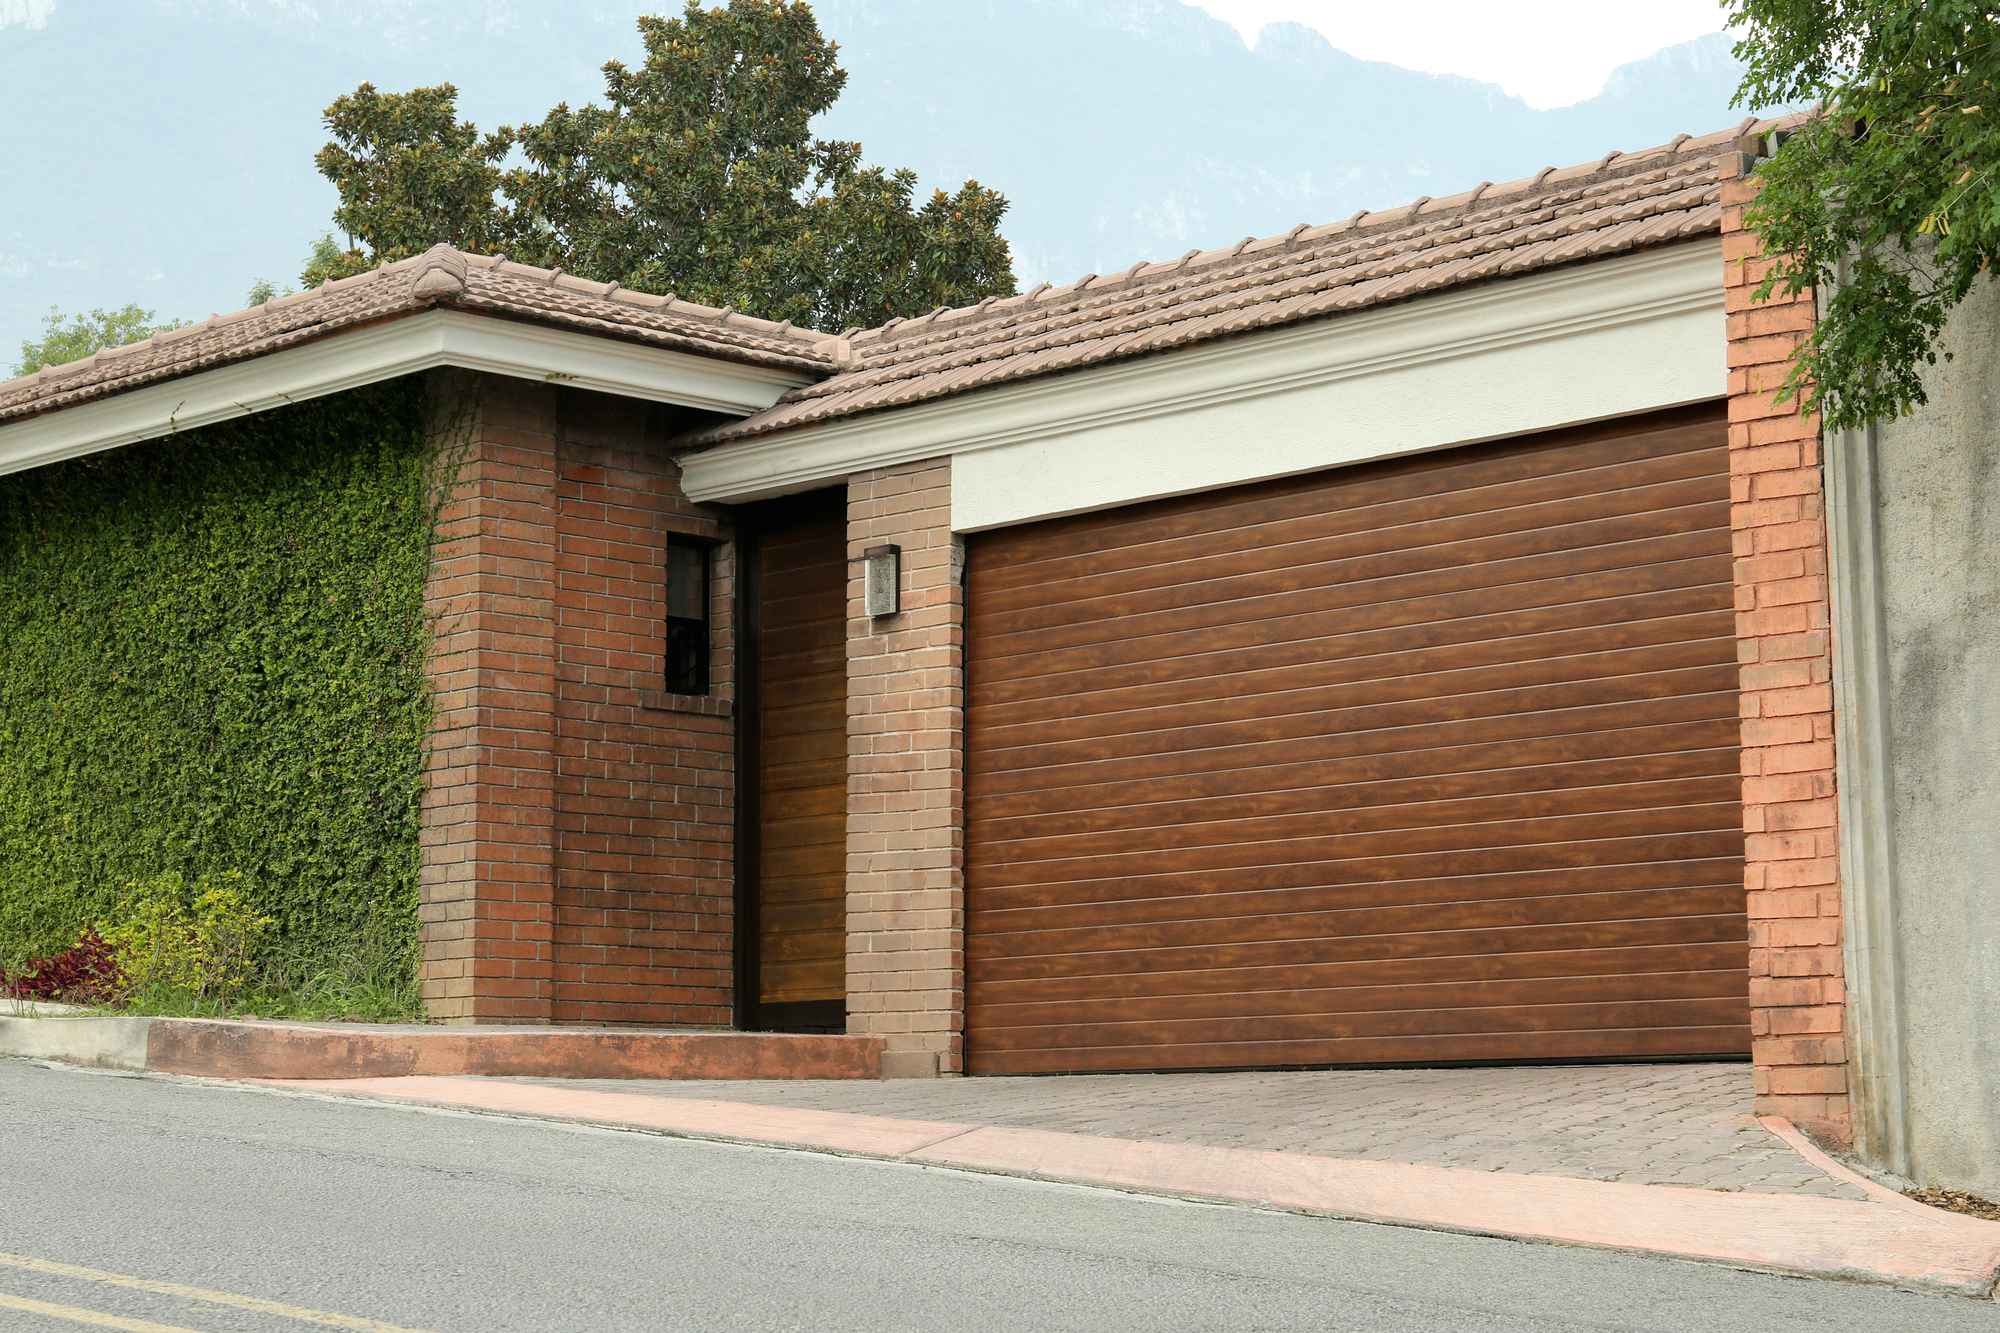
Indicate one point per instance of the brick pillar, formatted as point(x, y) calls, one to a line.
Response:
point(488, 820)
point(905, 777)
point(1792, 871)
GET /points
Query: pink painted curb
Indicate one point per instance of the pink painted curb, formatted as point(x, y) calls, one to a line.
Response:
point(1796, 1140)
point(216, 1048)
point(733, 1122)
point(1779, 1233)
point(260, 1049)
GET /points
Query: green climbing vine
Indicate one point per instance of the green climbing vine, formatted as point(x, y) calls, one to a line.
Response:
point(212, 653)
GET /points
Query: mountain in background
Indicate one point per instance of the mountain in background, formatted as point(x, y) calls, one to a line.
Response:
point(160, 151)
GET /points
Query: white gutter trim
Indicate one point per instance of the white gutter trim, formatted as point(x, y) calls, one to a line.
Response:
point(1605, 294)
point(385, 351)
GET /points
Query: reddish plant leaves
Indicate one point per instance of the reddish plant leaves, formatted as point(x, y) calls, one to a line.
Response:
point(84, 973)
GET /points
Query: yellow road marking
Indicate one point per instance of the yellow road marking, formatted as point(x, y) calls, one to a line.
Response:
point(76, 1314)
point(50, 1268)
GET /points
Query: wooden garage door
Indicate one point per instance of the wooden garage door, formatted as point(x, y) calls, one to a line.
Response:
point(1425, 761)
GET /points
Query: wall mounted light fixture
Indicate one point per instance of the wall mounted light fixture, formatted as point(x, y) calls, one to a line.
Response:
point(882, 580)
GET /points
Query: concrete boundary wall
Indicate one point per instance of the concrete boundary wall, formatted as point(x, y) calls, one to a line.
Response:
point(1915, 520)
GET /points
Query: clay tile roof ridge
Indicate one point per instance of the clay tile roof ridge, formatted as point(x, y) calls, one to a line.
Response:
point(440, 275)
point(618, 294)
point(1613, 165)
point(1390, 246)
point(1615, 203)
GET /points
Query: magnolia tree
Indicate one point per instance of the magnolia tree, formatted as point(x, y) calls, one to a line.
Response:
point(1894, 182)
point(699, 175)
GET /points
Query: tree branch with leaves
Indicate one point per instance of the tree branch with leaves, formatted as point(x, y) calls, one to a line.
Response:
point(67, 338)
point(1888, 201)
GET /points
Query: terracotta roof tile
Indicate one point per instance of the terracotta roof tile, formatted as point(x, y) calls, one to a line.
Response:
point(1614, 205)
point(441, 276)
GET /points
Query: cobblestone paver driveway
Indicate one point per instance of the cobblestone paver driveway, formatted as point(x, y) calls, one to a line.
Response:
point(1684, 1124)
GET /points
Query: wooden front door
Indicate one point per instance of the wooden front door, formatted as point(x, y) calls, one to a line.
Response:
point(1433, 760)
point(794, 964)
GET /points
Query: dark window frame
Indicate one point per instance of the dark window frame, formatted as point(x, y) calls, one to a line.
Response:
point(690, 639)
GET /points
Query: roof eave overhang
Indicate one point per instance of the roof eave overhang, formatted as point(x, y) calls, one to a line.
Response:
point(424, 340)
point(1437, 331)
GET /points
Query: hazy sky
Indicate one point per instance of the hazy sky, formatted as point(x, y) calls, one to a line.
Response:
point(1547, 52)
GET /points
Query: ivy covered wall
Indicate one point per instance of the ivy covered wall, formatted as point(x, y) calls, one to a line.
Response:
point(212, 658)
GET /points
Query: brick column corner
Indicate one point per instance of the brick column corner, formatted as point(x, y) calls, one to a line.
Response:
point(905, 777)
point(1784, 645)
point(488, 865)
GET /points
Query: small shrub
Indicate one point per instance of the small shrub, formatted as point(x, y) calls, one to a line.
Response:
point(85, 973)
point(184, 938)
point(153, 938)
point(227, 931)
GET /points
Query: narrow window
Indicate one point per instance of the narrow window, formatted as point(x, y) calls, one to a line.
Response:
point(687, 615)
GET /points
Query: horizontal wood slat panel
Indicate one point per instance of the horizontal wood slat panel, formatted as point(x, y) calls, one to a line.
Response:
point(1430, 760)
point(1555, 548)
point(1292, 665)
point(1728, 955)
point(1555, 631)
point(1354, 836)
point(1203, 559)
point(783, 890)
point(1329, 793)
point(1322, 690)
point(1721, 983)
point(1363, 893)
point(1633, 744)
point(1455, 480)
point(1566, 936)
point(1271, 929)
point(1482, 812)
point(803, 832)
point(804, 980)
point(1381, 1023)
point(813, 774)
point(1358, 607)
point(801, 620)
point(1557, 726)
point(1391, 715)
point(1682, 589)
point(1522, 1048)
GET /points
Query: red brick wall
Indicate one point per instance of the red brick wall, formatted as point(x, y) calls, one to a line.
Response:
point(905, 777)
point(1792, 873)
point(644, 883)
point(489, 811)
point(579, 824)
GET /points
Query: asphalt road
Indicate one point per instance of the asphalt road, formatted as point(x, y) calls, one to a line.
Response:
point(140, 1204)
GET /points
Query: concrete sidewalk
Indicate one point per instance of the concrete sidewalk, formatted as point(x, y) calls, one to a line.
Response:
point(1878, 1237)
point(1652, 1124)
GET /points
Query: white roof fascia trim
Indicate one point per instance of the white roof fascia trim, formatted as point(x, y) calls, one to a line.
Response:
point(1601, 294)
point(400, 346)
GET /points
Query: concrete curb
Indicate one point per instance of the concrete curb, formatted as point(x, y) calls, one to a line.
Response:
point(233, 1049)
point(1795, 1235)
point(72, 1039)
